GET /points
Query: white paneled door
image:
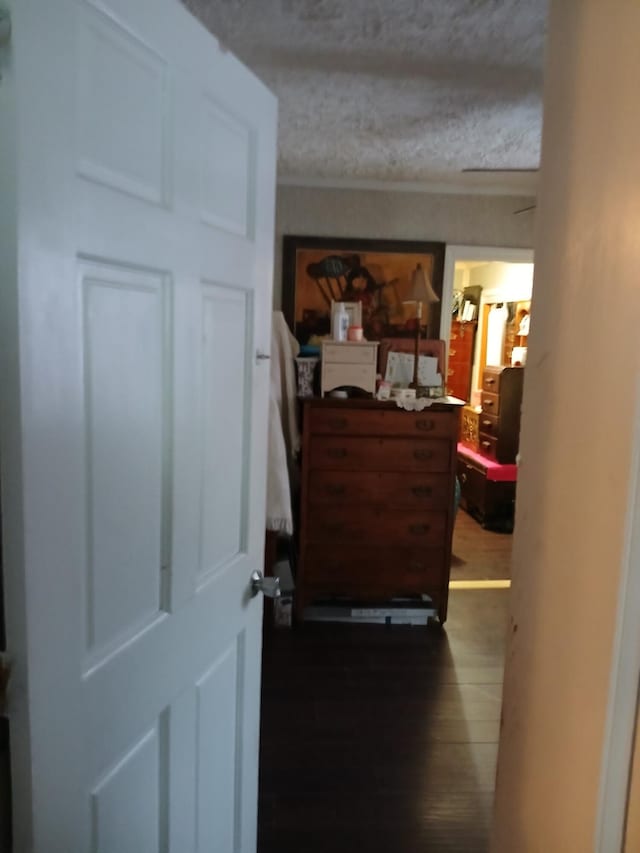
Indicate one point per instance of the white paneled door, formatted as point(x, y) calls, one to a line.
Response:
point(137, 162)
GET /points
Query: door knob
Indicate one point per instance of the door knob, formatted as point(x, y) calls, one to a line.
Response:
point(270, 587)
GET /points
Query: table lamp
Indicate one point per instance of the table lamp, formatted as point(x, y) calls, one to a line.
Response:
point(420, 292)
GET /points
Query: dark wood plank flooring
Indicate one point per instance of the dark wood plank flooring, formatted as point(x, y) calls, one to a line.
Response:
point(479, 554)
point(379, 738)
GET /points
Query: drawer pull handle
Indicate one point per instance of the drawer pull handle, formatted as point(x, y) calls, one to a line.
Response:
point(463, 477)
point(418, 529)
point(335, 489)
point(487, 402)
point(336, 452)
point(422, 454)
point(422, 491)
point(486, 423)
point(490, 381)
point(452, 353)
point(337, 423)
point(486, 444)
point(425, 425)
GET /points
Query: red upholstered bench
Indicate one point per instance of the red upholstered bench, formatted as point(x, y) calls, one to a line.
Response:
point(487, 489)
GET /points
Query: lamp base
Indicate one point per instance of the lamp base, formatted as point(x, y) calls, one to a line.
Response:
point(422, 391)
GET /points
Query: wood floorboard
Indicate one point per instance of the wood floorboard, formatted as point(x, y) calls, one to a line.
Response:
point(490, 561)
point(381, 738)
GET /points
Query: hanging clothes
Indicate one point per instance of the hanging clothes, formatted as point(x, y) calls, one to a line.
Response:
point(496, 331)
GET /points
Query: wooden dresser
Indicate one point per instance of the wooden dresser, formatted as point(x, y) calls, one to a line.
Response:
point(377, 501)
point(499, 425)
point(460, 363)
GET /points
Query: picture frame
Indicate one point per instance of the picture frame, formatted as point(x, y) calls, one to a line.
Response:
point(377, 273)
point(434, 348)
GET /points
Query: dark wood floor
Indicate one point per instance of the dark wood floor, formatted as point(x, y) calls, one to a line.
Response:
point(479, 554)
point(380, 738)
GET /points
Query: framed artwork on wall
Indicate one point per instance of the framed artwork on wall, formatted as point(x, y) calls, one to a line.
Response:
point(378, 274)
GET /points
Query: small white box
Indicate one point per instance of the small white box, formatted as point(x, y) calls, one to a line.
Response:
point(351, 363)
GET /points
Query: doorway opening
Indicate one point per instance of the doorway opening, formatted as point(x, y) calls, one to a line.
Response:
point(486, 325)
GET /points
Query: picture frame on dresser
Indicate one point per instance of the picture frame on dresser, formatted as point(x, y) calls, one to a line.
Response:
point(430, 347)
point(376, 273)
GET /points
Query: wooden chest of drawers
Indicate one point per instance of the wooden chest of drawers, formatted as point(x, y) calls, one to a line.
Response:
point(377, 501)
point(460, 363)
point(499, 428)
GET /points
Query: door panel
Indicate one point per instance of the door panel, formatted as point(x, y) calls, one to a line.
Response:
point(121, 142)
point(226, 318)
point(125, 387)
point(228, 167)
point(135, 442)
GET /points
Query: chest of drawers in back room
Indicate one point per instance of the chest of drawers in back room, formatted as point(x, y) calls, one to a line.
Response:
point(501, 399)
point(460, 363)
point(377, 502)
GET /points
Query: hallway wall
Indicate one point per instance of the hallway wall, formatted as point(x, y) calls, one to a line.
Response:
point(577, 436)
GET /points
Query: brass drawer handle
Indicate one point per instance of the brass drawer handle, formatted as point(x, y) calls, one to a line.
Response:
point(486, 443)
point(490, 381)
point(425, 425)
point(418, 529)
point(336, 452)
point(422, 491)
point(487, 402)
point(335, 489)
point(337, 423)
point(486, 423)
point(422, 454)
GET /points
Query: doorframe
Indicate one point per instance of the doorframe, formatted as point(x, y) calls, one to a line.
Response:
point(453, 254)
point(624, 683)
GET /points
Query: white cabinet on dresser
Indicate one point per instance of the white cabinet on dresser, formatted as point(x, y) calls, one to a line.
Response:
point(349, 363)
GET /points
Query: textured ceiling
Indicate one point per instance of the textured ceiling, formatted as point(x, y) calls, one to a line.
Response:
point(395, 90)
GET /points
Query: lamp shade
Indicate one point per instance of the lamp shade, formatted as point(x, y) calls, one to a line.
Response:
point(421, 289)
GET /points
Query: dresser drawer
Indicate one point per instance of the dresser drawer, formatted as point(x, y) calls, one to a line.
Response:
point(488, 424)
point(335, 421)
point(379, 454)
point(430, 491)
point(358, 375)
point(350, 354)
point(489, 445)
point(491, 379)
point(490, 403)
point(369, 568)
point(365, 525)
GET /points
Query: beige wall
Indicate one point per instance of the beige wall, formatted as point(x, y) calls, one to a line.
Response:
point(582, 373)
point(467, 220)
